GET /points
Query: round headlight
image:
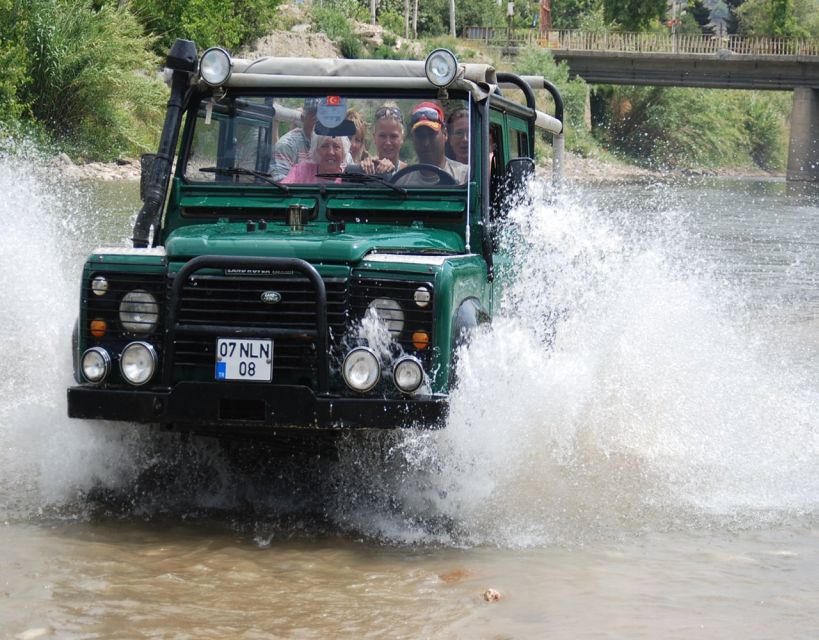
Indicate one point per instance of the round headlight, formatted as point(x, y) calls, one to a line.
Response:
point(99, 286)
point(96, 364)
point(390, 313)
point(407, 374)
point(441, 67)
point(137, 362)
point(138, 311)
point(214, 67)
point(361, 369)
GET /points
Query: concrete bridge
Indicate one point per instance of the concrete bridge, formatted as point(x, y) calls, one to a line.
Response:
point(681, 60)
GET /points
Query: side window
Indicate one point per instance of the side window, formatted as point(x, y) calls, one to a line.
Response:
point(519, 144)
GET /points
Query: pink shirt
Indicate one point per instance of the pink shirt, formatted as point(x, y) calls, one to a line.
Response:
point(304, 173)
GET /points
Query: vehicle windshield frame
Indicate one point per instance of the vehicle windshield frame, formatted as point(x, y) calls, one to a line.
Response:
point(204, 103)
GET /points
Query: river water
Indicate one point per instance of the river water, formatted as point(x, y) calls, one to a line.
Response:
point(633, 451)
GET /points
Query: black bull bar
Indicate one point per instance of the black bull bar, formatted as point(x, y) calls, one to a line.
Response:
point(249, 407)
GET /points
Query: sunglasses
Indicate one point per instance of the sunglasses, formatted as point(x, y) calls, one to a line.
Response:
point(387, 112)
point(426, 113)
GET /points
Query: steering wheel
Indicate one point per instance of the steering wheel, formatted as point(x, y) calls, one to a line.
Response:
point(444, 178)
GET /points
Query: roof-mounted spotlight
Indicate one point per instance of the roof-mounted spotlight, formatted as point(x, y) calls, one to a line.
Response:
point(215, 66)
point(441, 68)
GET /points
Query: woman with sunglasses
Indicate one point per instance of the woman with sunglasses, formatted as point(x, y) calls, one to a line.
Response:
point(388, 136)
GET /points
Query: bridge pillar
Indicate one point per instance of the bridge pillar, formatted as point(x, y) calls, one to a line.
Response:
point(803, 151)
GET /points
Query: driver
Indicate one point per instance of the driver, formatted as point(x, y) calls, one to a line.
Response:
point(429, 137)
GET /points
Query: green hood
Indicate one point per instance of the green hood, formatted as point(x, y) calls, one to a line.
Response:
point(314, 243)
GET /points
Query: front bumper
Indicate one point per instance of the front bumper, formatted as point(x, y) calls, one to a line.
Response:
point(247, 407)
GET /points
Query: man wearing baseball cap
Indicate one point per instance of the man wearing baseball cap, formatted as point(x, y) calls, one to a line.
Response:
point(294, 146)
point(429, 136)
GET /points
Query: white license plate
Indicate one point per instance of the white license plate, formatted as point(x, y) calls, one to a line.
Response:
point(244, 359)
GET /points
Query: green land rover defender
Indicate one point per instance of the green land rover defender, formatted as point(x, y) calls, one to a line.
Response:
point(316, 239)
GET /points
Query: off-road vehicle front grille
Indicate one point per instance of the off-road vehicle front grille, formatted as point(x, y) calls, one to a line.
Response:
point(228, 301)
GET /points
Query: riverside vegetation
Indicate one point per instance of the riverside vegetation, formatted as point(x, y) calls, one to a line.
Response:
point(80, 78)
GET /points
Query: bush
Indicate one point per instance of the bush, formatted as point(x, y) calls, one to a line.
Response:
point(91, 78)
point(765, 115)
point(351, 47)
point(383, 52)
point(697, 128)
point(331, 23)
point(12, 81)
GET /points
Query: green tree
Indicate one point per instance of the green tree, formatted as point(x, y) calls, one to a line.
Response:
point(487, 13)
point(757, 18)
point(433, 15)
point(571, 14)
point(634, 15)
point(226, 23)
point(783, 21)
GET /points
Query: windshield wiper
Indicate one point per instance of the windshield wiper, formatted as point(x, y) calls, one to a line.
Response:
point(364, 177)
point(241, 171)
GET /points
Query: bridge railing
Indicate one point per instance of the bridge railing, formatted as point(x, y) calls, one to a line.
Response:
point(633, 42)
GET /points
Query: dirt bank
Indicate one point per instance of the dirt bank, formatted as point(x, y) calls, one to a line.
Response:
point(125, 169)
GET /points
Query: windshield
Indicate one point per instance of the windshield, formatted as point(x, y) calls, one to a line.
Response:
point(377, 142)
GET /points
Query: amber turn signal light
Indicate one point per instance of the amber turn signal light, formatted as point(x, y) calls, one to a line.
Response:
point(420, 339)
point(98, 328)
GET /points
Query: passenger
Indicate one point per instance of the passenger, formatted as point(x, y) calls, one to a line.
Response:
point(327, 155)
point(358, 141)
point(388, 136)
point(294, 146)
point(457, 125)
point(429, 136)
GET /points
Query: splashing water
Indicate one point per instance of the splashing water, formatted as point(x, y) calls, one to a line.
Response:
point(628, 391)
point(624, 393)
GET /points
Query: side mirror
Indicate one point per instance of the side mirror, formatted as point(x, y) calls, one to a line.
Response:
point(512, 187)
point(510, 192)
point(146, 161)
point(518, 172)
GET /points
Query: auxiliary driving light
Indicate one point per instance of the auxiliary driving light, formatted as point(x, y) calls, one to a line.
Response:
point(138, 312)
point(422, 297)
point(99, 286)
point(215, 66)
point(137, 362)
point(407, 374)
point(96, 364)
point(441, 67)
point(361, 369)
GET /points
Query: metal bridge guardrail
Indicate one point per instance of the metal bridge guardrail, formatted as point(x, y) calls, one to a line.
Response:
point(635, 42)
